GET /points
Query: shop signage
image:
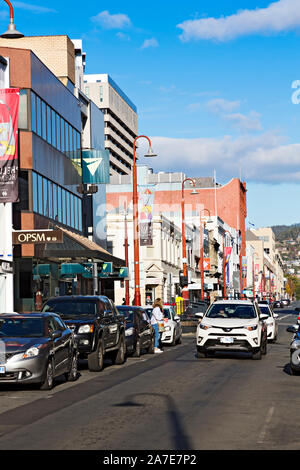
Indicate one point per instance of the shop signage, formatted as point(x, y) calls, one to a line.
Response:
point(9, 114)
point(25, 237)
point(6, 267)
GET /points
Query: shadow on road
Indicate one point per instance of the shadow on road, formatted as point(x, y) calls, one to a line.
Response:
point(180, 439)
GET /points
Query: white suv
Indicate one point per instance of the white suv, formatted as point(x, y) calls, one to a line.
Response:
point(232, 325)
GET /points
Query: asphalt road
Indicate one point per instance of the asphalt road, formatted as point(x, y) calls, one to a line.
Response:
point(168, 401)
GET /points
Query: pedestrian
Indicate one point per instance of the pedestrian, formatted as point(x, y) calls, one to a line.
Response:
point(124, 301)
point(156, 319)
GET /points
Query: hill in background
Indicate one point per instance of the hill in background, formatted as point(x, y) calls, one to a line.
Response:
point(286, 232)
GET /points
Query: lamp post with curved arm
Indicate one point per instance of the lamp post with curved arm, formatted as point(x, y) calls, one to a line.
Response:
point(253, 273)
point(135, 201)
point(12, 32)
point(224, 264)
point(201, 251)
point(185, 294)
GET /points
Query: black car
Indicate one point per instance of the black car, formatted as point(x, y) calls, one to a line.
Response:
point(278, 304)
point(139, 332)
point(99, 329)
point(36, 348)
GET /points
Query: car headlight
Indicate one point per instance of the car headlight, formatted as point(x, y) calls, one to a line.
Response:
point(86, 329)
point(251, 327)
point(129, 332)
point(32, 352)
point(204, 327)
point(168, 328)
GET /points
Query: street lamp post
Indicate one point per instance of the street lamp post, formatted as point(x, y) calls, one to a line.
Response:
point(12, 32)
point(127, 299)
point(201, 252)
point(185, 293)
point(253, 273)
point(135, 201)
point(224, 265)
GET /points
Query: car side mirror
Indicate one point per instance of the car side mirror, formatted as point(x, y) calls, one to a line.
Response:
point(177, 318)
point(263, 316)
point(275, 315)
point(199, 315)
point(293, 329)
point(56, 334)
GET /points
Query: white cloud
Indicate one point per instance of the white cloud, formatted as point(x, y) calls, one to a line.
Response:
point(123, 36)
point(149, 43)
point(264, 158)
point(33, 8)
point(245, 123)
point(108, 21)
point(219, 105)
point(283, 15)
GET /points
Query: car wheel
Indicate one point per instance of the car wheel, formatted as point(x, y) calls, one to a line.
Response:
point(151, 347)
point(264, 349)
point(179, 341)
point(72, 375)
point(118, 358)
point(256, 355)
point(201, 354)
point(96, 359)
point(137, 351)
point(49, 377)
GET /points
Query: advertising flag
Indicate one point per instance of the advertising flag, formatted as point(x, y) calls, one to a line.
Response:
point(146, 201)
point(9, 116)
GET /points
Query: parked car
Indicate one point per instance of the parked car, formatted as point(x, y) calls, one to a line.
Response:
point(294, 350)
point(99, 329)
point(232, 325)
point(139, 333)
point(173, 330)
point(271, 322)
point(278, 304)
point(37, 349)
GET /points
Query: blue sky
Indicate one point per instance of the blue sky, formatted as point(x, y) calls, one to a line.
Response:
point(212, 82)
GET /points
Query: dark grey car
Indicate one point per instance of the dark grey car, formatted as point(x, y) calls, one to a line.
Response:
point(36, 348)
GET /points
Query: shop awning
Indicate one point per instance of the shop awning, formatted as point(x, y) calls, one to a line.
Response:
point(79, 248)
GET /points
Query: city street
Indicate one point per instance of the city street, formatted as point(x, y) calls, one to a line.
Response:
point(168, 401)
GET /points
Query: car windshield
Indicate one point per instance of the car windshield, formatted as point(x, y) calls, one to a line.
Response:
point(127, 312)
point(167, 313)
point(231, 311)
point(265, 310)
point(71, 307)
point(22, 327)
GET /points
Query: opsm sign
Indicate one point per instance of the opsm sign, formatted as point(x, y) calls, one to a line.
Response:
point(27, 237)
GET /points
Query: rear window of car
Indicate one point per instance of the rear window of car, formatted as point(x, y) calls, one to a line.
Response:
point(231, 311)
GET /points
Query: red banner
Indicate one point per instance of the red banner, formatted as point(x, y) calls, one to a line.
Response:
point(9, 117)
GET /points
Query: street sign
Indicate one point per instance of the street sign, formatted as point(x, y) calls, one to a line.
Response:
point(206, 264)
point(25, 237)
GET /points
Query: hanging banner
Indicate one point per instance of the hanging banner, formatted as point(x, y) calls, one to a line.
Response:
point(9, 116)
point(244, 267)
point(146, 202)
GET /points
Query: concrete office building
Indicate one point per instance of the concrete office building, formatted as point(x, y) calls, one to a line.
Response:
point(121, 120)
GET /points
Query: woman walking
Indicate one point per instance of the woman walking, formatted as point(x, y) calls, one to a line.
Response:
point(156, 318)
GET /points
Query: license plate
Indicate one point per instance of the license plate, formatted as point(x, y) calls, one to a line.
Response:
point(227, 340)
point(2, 370)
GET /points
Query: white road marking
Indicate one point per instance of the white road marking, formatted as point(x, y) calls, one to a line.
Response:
point(285, 316)
point(263, 433)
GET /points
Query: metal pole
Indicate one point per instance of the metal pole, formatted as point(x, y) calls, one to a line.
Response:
point(137, 291)
point(127, 298)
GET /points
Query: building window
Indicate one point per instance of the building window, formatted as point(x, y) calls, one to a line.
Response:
point(54, 202)
point(46, 123)
point(101, 94)
point(87, 91)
